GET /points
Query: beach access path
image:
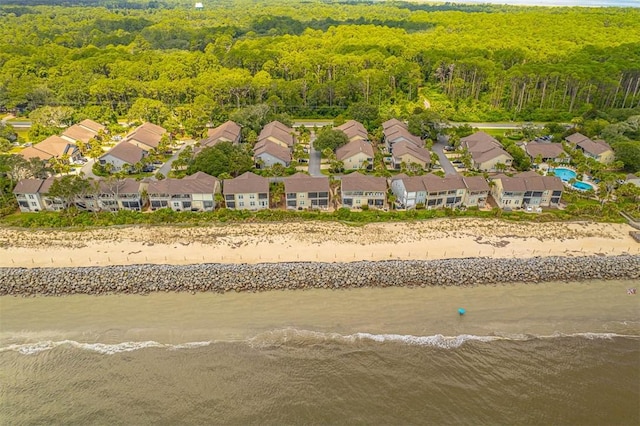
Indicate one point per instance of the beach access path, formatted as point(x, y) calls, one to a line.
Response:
point(311, 241)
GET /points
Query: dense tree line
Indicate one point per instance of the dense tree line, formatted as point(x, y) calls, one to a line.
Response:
point(318, 58)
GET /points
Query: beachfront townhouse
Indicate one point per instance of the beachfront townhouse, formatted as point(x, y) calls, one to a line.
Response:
point(306, 192)
point(27, 193)
point(191, 193)
point(526, 190)
point(33, 195)
point(486, 152)
point(358, 190)
point(432, 191)
point(246, 192)
point(113, 195)
point(356, 155)
point(477, 192)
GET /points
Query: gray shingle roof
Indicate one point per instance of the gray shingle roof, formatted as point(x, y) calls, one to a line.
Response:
point(126, 152)
point(352, 148)
point(28, 186)
point(273, 149)
point(247, 183)
point(544, 149)
point(359, 182)
point(198, 183)
point(305, 183)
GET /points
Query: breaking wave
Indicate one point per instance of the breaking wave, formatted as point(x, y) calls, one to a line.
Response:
point(296, 337)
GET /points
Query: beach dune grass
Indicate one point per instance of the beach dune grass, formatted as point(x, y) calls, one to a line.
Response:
point(584, 210)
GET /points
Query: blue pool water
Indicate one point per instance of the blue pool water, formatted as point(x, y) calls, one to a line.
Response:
point(583, 186)
point(565, 174)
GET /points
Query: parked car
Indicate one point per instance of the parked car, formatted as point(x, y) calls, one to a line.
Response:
point(449, 148)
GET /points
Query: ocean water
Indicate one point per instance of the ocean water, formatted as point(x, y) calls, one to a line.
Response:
point(556, 353)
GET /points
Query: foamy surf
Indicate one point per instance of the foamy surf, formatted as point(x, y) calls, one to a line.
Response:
point(292, 336)
point(101, 348)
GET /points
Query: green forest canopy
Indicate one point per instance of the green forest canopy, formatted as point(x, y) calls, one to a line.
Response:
point(316, 58)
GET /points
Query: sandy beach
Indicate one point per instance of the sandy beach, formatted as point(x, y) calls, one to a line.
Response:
point(310, 241)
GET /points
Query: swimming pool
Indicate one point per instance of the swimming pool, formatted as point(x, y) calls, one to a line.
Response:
point(583, 186)
point(565, 174)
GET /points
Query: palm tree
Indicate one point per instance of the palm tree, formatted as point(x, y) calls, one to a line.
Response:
point(500, 167)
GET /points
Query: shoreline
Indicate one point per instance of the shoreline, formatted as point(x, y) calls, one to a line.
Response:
point(222, 278)
point(311, 242)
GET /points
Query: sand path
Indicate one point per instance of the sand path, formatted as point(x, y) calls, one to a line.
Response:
point(310, 241)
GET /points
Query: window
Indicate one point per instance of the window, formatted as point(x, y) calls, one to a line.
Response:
point(302, 203)
point(348, 201)
point(323, 194)
point(291, 203)
point(31, 197)
point(313, 195)
point(240, 197)
point(252, 203)
point(252, 196)
point(231, 205)
point(358, 201)
point(323, 202)
point(241, 204)
point(156, 205)
point(24, 204)
point(557, 193)
point(207, 204)
point(263, 196)
point(229, 197)
point(291, 195)
point(186, 204)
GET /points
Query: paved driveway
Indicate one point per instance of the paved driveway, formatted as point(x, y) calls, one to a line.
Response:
point(447, 167)
point(315, 157)
point(166, 167)
point(87, 169)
